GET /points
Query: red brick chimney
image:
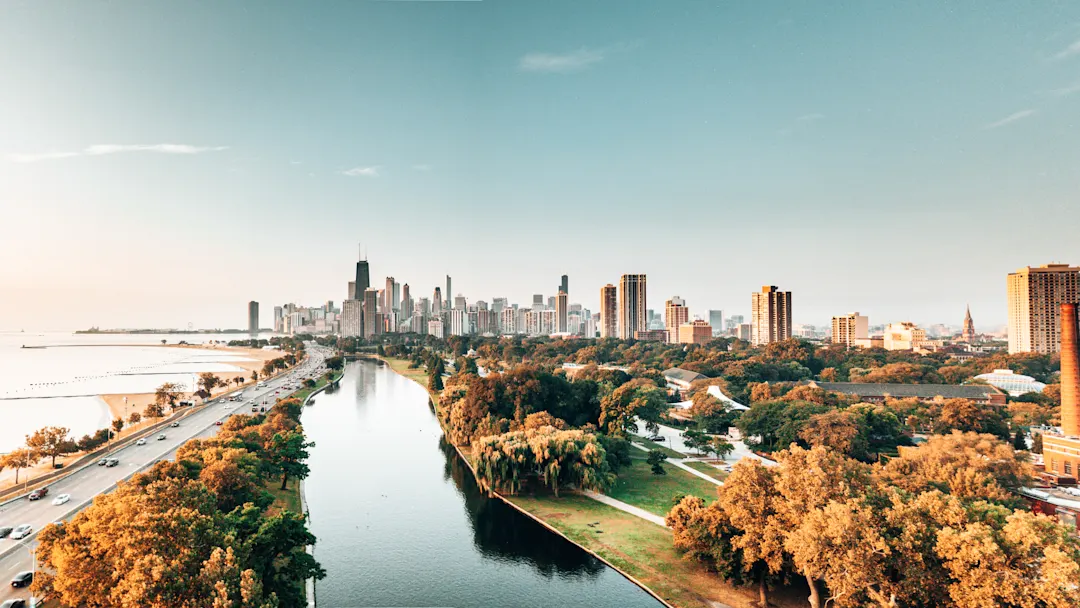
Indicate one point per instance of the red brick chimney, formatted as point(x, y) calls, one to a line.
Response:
point(1070, 372)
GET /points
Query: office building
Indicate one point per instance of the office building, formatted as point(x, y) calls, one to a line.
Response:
point(770, 316)
point(508, 322)
point(406, 304)
point(371, 324)
point(1035, 298)
point(459, 302)
point(448, 294)
point(631, 305)
point(279, 319)
point(459, 322)
point(423, 306)
point(716, 320)
point(498, 304)
point(561, 311)
point(744, 332)
point(548, 322)
point(551, 303)
point(609, 315)
point(696, 332)
point(351, 295)
point(564, 285)
point(436, 303)
point(435, 328)
point(386, 302)
point(363, 280)
point(733, 322)
point(846, 329)
point(538, 301)
point(253, 317)
point(651, 335)
point(675, 315)
point(904, 336)
point(352, 318)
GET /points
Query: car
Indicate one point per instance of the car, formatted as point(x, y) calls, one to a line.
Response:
point(112, 462)
point(21, 532)
point(22, 579)
point(140, 442)
point(175, 424)
point(218, 423)
point(5, 531)
point(15, 603)
point(39, 493)
point(103, 462)
point(656, 438)
point(161, 437)
point(61, 499)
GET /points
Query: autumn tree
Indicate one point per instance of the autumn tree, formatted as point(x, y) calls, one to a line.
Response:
point(18, 459)
point(548, 456)
point(208, 382)
point(965, 416)
point(639, 398)
point(153, 410)
point(167, 395)
point(134, 418)
point(50, 442)
point(118, 425)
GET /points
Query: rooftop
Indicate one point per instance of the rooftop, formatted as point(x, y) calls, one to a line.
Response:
point(921, 391)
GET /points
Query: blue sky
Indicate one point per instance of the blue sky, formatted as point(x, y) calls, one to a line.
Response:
point(165, 162)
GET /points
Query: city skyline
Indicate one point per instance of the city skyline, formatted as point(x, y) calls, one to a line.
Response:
point(185, 175)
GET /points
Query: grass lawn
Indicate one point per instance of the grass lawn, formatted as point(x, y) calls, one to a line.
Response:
point(636, 485)
point(656, 445)
point(319, 383)
point(288, 499)
point(708, 469)
point(642, 550)
point(401, 366)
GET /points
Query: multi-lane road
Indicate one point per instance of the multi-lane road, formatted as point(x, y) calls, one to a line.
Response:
point(86, 483)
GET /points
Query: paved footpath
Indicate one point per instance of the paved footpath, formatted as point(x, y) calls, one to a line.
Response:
point(622, 506)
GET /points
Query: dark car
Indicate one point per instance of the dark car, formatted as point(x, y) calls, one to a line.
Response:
point(5, 531)
point(22, 579)
point(39, 493)
point(103, 462)
point(15, 603)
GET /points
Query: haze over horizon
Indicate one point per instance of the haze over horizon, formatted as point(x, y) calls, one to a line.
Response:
point(163, 164)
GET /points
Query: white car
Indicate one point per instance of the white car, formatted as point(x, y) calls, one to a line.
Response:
point(140, 442)
point(61, 499)
point(22, 531)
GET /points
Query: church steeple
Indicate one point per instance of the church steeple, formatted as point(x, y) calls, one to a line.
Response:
point(968, 333)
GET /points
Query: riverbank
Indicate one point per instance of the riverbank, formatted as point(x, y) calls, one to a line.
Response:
point(640, 550)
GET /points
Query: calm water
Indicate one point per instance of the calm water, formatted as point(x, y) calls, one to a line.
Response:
point(57, 385)
point(401, 522)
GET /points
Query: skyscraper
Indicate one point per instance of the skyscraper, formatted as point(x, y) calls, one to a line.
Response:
point(538, 301)
point(1035, 298)
point(352, 291)
point(846, 329)
point(371, 324)
point(279, 319)
point(609, 312)
point(388, 302)
point(631, 305)
point(363, 279)
point(436, 303)
point(716, 321)
point(395, 302)
point(352, 323)
point(406, 301)
point(564, 286)
point(968, 333)
point(675, 315)
point(560, 311)
point(770, 315)
point(448, 294)
point(253, 317)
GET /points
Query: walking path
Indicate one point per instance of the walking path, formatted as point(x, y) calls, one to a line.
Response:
point(680, 463)
point(622, 506)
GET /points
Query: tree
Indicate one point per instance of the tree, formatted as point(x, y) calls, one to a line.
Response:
point(965, 416)
point(721, 447)
point(656, 461)
point(546, 455)
point(50, 442)
point(695, 440)
point(749, 498)
point(153, 410)
point(1019, 440)
point(1036, 443)
point(167, 395)
point(639, 398)
point(309, 383)
point(835, 429)
point(277, 562)
point(435, 383)
point(208, 382)
point(134, 418)
point(18, 459)
point(254, 376)
point(288, 453)
point(118, 425)
point(335, 363)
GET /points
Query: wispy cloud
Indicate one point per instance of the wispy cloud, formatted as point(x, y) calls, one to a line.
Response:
point(103, 149)
point(1011, 118)
point(810, 117)
point(562, 62)
point(1069, 51)
point(362, 172)
point(1065, 91)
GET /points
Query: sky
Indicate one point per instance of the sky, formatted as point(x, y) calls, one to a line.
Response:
point(162, 163)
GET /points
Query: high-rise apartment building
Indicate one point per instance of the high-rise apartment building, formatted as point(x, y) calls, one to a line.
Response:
point(770, 315)
point(716, 320)
point(561, 304)
point(548, 322)
point(460, 303)
point(436, 303)
point(538, 301)
point(352, 318)
point(423, 306)
point(609, 312)
point(1035, 299)
point(435, 328)
point(744, 331)
point(279, 319)
point(448, 294)
point(631, 305)
point(387, 302)
point(406, 306)
point(459, 322)
point(371, 324)
point(253, 317)
point(352, 291)
point(508, 321)
point(395, 301)
point(696, 332)
point(846, 329)
point(675, 315)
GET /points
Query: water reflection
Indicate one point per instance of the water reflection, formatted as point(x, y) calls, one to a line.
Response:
point(526, 540)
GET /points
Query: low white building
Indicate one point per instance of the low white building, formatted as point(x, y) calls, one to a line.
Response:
point(1011, 382)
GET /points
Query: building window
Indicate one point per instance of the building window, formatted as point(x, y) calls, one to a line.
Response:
point(1053, 464)
point(1068, 468)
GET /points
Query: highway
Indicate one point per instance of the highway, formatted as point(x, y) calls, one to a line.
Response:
point(86, 483)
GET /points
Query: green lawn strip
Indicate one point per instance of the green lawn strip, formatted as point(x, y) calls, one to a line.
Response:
point(637, 547)
point(656, 445)
point(287, 499)
point(401, 366)
point(638, 486)
point(708, 469)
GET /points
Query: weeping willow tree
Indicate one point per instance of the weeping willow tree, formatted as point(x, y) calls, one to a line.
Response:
point(546, 455)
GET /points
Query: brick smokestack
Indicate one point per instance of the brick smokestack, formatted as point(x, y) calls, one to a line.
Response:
point(1070, 372)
